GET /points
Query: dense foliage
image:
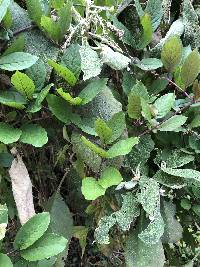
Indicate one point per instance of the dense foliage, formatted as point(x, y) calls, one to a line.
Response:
point(99, 133)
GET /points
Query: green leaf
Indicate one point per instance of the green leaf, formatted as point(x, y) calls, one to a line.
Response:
point(47, 246)
point(169, 181)
point(7, 20)
point(16, 46)
point(75, 101)
point(155, 9)
point(173, 123)
point(196, 209)
point(150, 64)
point(9, 134)
point(195, 122)
point(91, 188)
point(173, 229)
point(3, 221)
point(37, 105)
point(184, 173)
point(98, 150)
point(37, 8)
point(172, 53)
point(12, 99)
point(109, 177)
point(91, 90)
point(117, 124)
point(190, 68)
point(164, 104)
point(63, 72)
point(5, 161)
point(122, 147)
point(5, 261)
point(33, 134)
point(134, 106)
point(146, 110)
point(72, 59)
point(103, 130)
point(32, 230)
point(23, 84)
point(38, 74)
point(61, 220)
point(139, 254)
point(115, 60)
point(59, 107)
point(17, 61)
point(147, 31)
point(81, 233)
point(185, 204)
point(90, 62)
point(4, 4)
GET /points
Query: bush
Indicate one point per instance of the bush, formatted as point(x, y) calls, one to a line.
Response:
point(99, 133)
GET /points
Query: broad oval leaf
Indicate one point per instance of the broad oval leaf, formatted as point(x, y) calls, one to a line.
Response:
point(91, 189)
point(164, 104)
point(173, 123)
point(190, 68)
point(150, 64)
point(47, 246)
point(17, 61)
point(109, 177)
point(32, 230)
point(33, 134)
point(9, 134)
point(172, 53)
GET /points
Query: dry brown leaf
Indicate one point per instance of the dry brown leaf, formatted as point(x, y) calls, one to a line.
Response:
point(22, 188)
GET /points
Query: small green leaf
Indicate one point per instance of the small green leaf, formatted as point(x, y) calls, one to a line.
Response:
point(23, 84)
point(173, 123)
point(63, 72)
point(103, 130)
point(32, 230)
point(190, 68)
point(16, 46)
point(90, 62)
point(109, 177)
point(150, 64)
point(91, 90)
point(122, 147)
point(146, 110)
point(47, 246)
point(91, 188)
point(185, 204)
point(117, 124)
point(98, 150)
point(134, 106)
point(147, 31)
point(172, 53)
point(17, 61)
point(4, 259)
point(33, 134)
point(9, 134)
point(75, 101)
point(164, 104)
point(196, 209)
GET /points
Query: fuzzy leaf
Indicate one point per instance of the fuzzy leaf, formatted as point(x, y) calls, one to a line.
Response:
point(173, 123)
point(109, 177)
point(149, 64)
point(117, 124)
point(155, 9)
point(90, 63)
point(23, 84)
point(164, 104)
point(134, 106)
point(47, 246)
point(98, 150)
point(91, 90)
point(187, 174)
point(17, 61)
point(103, 130)
point(115, 60)
point(33, 134)
point(122, 147)
point(91, 188)
point(32, 230)
point(172, 53)
point(9, 134)
point(63, 72)
point(190, 68)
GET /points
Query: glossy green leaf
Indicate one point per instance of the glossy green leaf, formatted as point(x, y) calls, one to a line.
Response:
point(109, 177)
point(75, 101)
point(32, 230)
point(9, 134)
point(91, 189)
point(95, 148)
